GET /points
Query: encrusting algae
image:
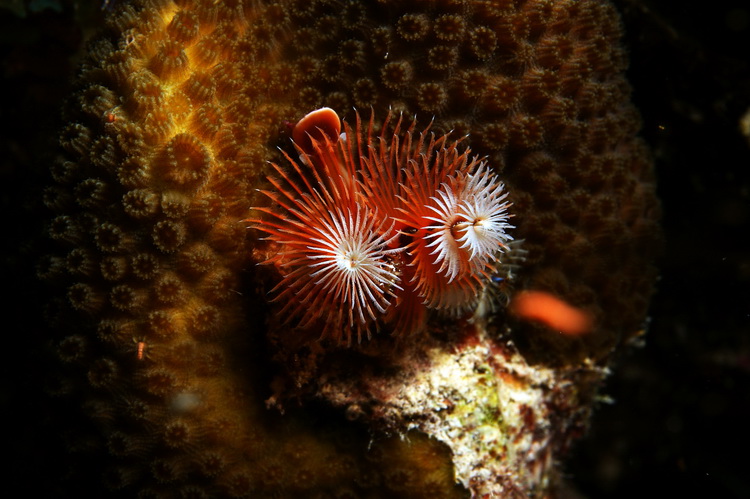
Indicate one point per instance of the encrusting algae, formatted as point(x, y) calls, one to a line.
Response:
point(198, 384)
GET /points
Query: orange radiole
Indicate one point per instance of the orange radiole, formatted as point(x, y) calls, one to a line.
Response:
point(546, 308)
point(382, 227)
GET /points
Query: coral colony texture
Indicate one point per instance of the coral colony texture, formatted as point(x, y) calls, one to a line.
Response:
point(418, 296)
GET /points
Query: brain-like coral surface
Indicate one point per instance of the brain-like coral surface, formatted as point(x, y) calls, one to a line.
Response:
point(165, 333)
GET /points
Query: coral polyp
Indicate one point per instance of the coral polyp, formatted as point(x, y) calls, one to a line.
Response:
point(375, 218)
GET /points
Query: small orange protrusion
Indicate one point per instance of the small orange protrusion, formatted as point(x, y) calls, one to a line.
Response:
point(551, 311)
point(316, 124)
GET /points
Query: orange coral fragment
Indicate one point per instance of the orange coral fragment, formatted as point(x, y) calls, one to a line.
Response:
point(551, 311)
point(315, 125)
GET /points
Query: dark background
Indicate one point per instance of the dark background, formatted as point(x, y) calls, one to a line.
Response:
point(679, 422)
